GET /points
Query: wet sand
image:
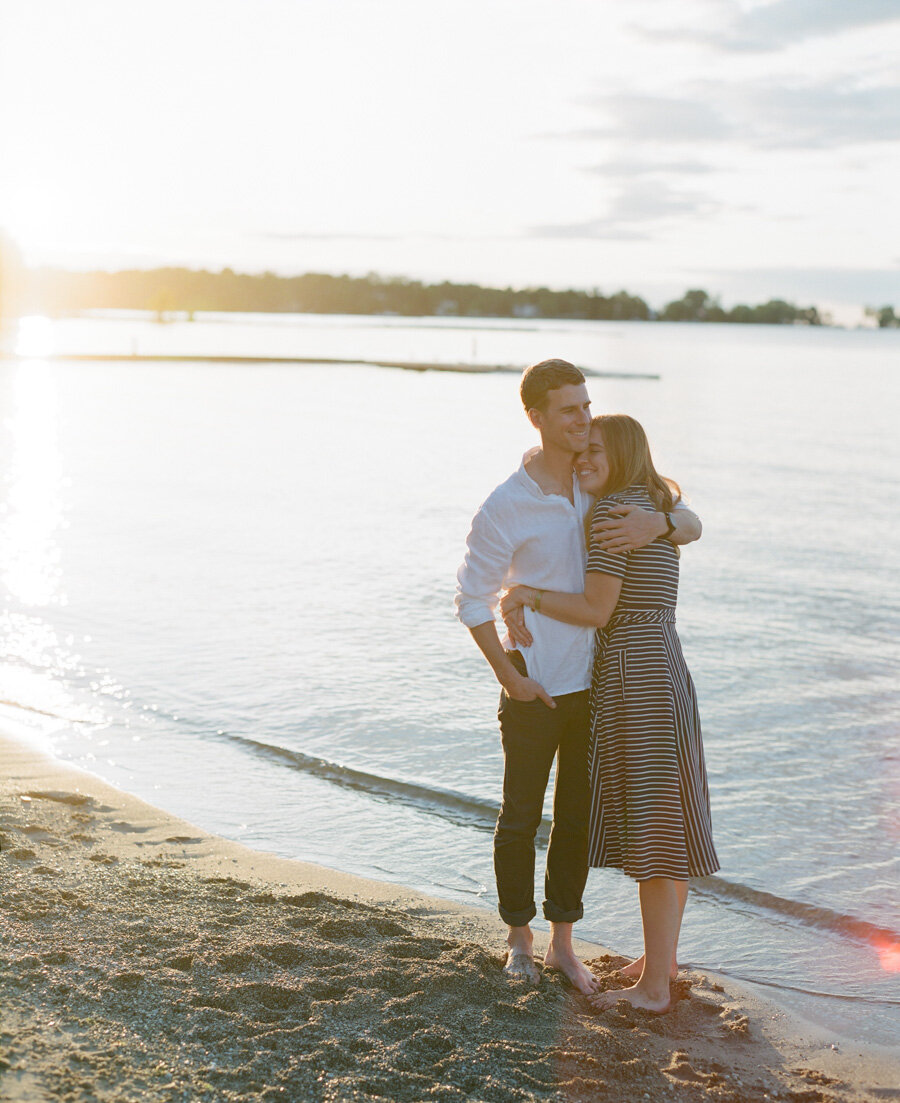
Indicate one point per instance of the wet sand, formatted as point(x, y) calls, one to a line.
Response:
point(143, 958)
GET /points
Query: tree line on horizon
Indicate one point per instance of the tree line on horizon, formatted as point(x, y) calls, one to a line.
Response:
point(188, 291)
point(167, 290)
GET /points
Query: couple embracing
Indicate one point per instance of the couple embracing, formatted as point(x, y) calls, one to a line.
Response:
point(581, 544)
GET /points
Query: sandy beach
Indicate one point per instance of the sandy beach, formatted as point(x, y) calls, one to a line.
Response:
point(143, 958)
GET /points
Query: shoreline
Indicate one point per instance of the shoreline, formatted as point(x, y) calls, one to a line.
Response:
point(142, 955)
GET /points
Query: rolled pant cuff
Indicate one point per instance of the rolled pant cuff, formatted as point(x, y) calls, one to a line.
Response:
point(553, 914)
point(517, 919)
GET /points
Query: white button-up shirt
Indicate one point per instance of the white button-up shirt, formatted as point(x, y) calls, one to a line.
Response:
point(520, 535)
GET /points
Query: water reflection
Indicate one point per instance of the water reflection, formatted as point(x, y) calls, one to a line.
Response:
point(32, 506)
point(31, 517)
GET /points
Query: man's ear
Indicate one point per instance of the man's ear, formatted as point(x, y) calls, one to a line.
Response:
point(535, 417)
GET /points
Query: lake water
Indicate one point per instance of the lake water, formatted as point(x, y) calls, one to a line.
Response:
point(228, 589)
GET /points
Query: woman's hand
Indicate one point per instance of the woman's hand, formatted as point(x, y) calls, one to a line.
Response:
point(515, 625)
point(512, 609)
point(515, 598)
point(627, 528)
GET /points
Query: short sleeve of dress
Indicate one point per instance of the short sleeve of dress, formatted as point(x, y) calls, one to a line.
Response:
point(604, 562)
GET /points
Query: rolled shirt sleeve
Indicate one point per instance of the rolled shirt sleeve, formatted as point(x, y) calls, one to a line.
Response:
point(483, 572)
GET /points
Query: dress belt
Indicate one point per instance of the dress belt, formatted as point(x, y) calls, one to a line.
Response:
point(602, 641)
point(641, 616)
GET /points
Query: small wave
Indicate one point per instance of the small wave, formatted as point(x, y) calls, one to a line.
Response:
point(811, 915)
point(459, 808)
point(40, 712)
point(467, 811)
point(849, 997)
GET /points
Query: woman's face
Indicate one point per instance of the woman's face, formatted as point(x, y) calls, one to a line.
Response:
point(591, 466)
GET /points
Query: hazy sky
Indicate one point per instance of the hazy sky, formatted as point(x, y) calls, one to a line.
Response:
point(749, 148)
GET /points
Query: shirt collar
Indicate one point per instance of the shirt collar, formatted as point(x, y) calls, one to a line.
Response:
point(532, 487)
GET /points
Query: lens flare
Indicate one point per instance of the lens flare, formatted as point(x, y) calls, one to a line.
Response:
point(889, 956)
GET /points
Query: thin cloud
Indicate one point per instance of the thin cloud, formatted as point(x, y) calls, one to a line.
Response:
point(825, 115)
point(625, 168)
point(657, 119)
point(313, 236)
point(821, 116)
point(593, 229)
point(775, 26)
point(633, 211)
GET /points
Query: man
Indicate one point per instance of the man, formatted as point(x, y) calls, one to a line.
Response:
point(530, 530)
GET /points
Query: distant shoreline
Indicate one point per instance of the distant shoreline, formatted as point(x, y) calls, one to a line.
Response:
point(171, 289)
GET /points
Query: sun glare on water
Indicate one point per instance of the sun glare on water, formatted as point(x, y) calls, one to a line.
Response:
point(32, 515)
point(35, 337)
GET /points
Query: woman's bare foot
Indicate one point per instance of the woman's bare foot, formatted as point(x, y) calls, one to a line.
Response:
point(655, 1002)
point(574, 968)
point(635, 969)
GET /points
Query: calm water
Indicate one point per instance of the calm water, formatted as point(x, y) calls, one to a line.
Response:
point(231, 586)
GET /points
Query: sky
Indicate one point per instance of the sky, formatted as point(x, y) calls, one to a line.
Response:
point(749, 148)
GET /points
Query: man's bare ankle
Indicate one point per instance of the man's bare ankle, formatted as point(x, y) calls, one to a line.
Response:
point(520, 938)
point(561, 950)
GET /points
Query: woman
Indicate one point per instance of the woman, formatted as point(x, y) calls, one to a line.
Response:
point(650, 801)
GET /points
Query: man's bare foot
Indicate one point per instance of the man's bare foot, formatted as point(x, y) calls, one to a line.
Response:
point(636, 996)
point(574, 968)
point(635, 969)
point(520, 966)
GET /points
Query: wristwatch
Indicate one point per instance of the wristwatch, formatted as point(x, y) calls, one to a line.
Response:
point(670, 526)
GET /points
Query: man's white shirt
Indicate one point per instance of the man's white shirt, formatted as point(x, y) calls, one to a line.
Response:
point(520, 535)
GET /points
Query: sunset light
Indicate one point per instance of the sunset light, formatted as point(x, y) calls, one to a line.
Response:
point(449, 635)
point(34, 338)
point(648, 146)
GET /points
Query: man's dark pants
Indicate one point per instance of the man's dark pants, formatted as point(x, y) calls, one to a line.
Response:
point(532, 735)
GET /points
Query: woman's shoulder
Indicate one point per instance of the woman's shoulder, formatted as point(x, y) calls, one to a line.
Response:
point(632, 496)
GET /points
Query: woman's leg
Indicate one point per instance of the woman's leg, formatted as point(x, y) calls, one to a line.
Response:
point(661, 909)
point(636, 967)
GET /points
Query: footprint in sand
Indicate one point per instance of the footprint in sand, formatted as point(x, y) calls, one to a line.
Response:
point(76, 800)
point(734, 1023)
point(126, 979)
point(239, 962)
point(682, 1068)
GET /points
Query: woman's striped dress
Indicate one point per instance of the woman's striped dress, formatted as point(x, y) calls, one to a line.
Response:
point(650, 801)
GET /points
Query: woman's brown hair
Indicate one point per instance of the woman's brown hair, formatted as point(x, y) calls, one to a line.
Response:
point(630, 462)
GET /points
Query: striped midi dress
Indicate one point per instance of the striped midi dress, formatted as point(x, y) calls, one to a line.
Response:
point(650, 811)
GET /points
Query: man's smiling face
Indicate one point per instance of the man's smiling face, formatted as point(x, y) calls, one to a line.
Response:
point(565, 421)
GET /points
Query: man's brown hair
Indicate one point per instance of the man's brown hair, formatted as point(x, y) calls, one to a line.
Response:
point(546, 376)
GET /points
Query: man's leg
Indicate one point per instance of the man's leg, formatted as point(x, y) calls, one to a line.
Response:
point(567, 855)
point(528, 733)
